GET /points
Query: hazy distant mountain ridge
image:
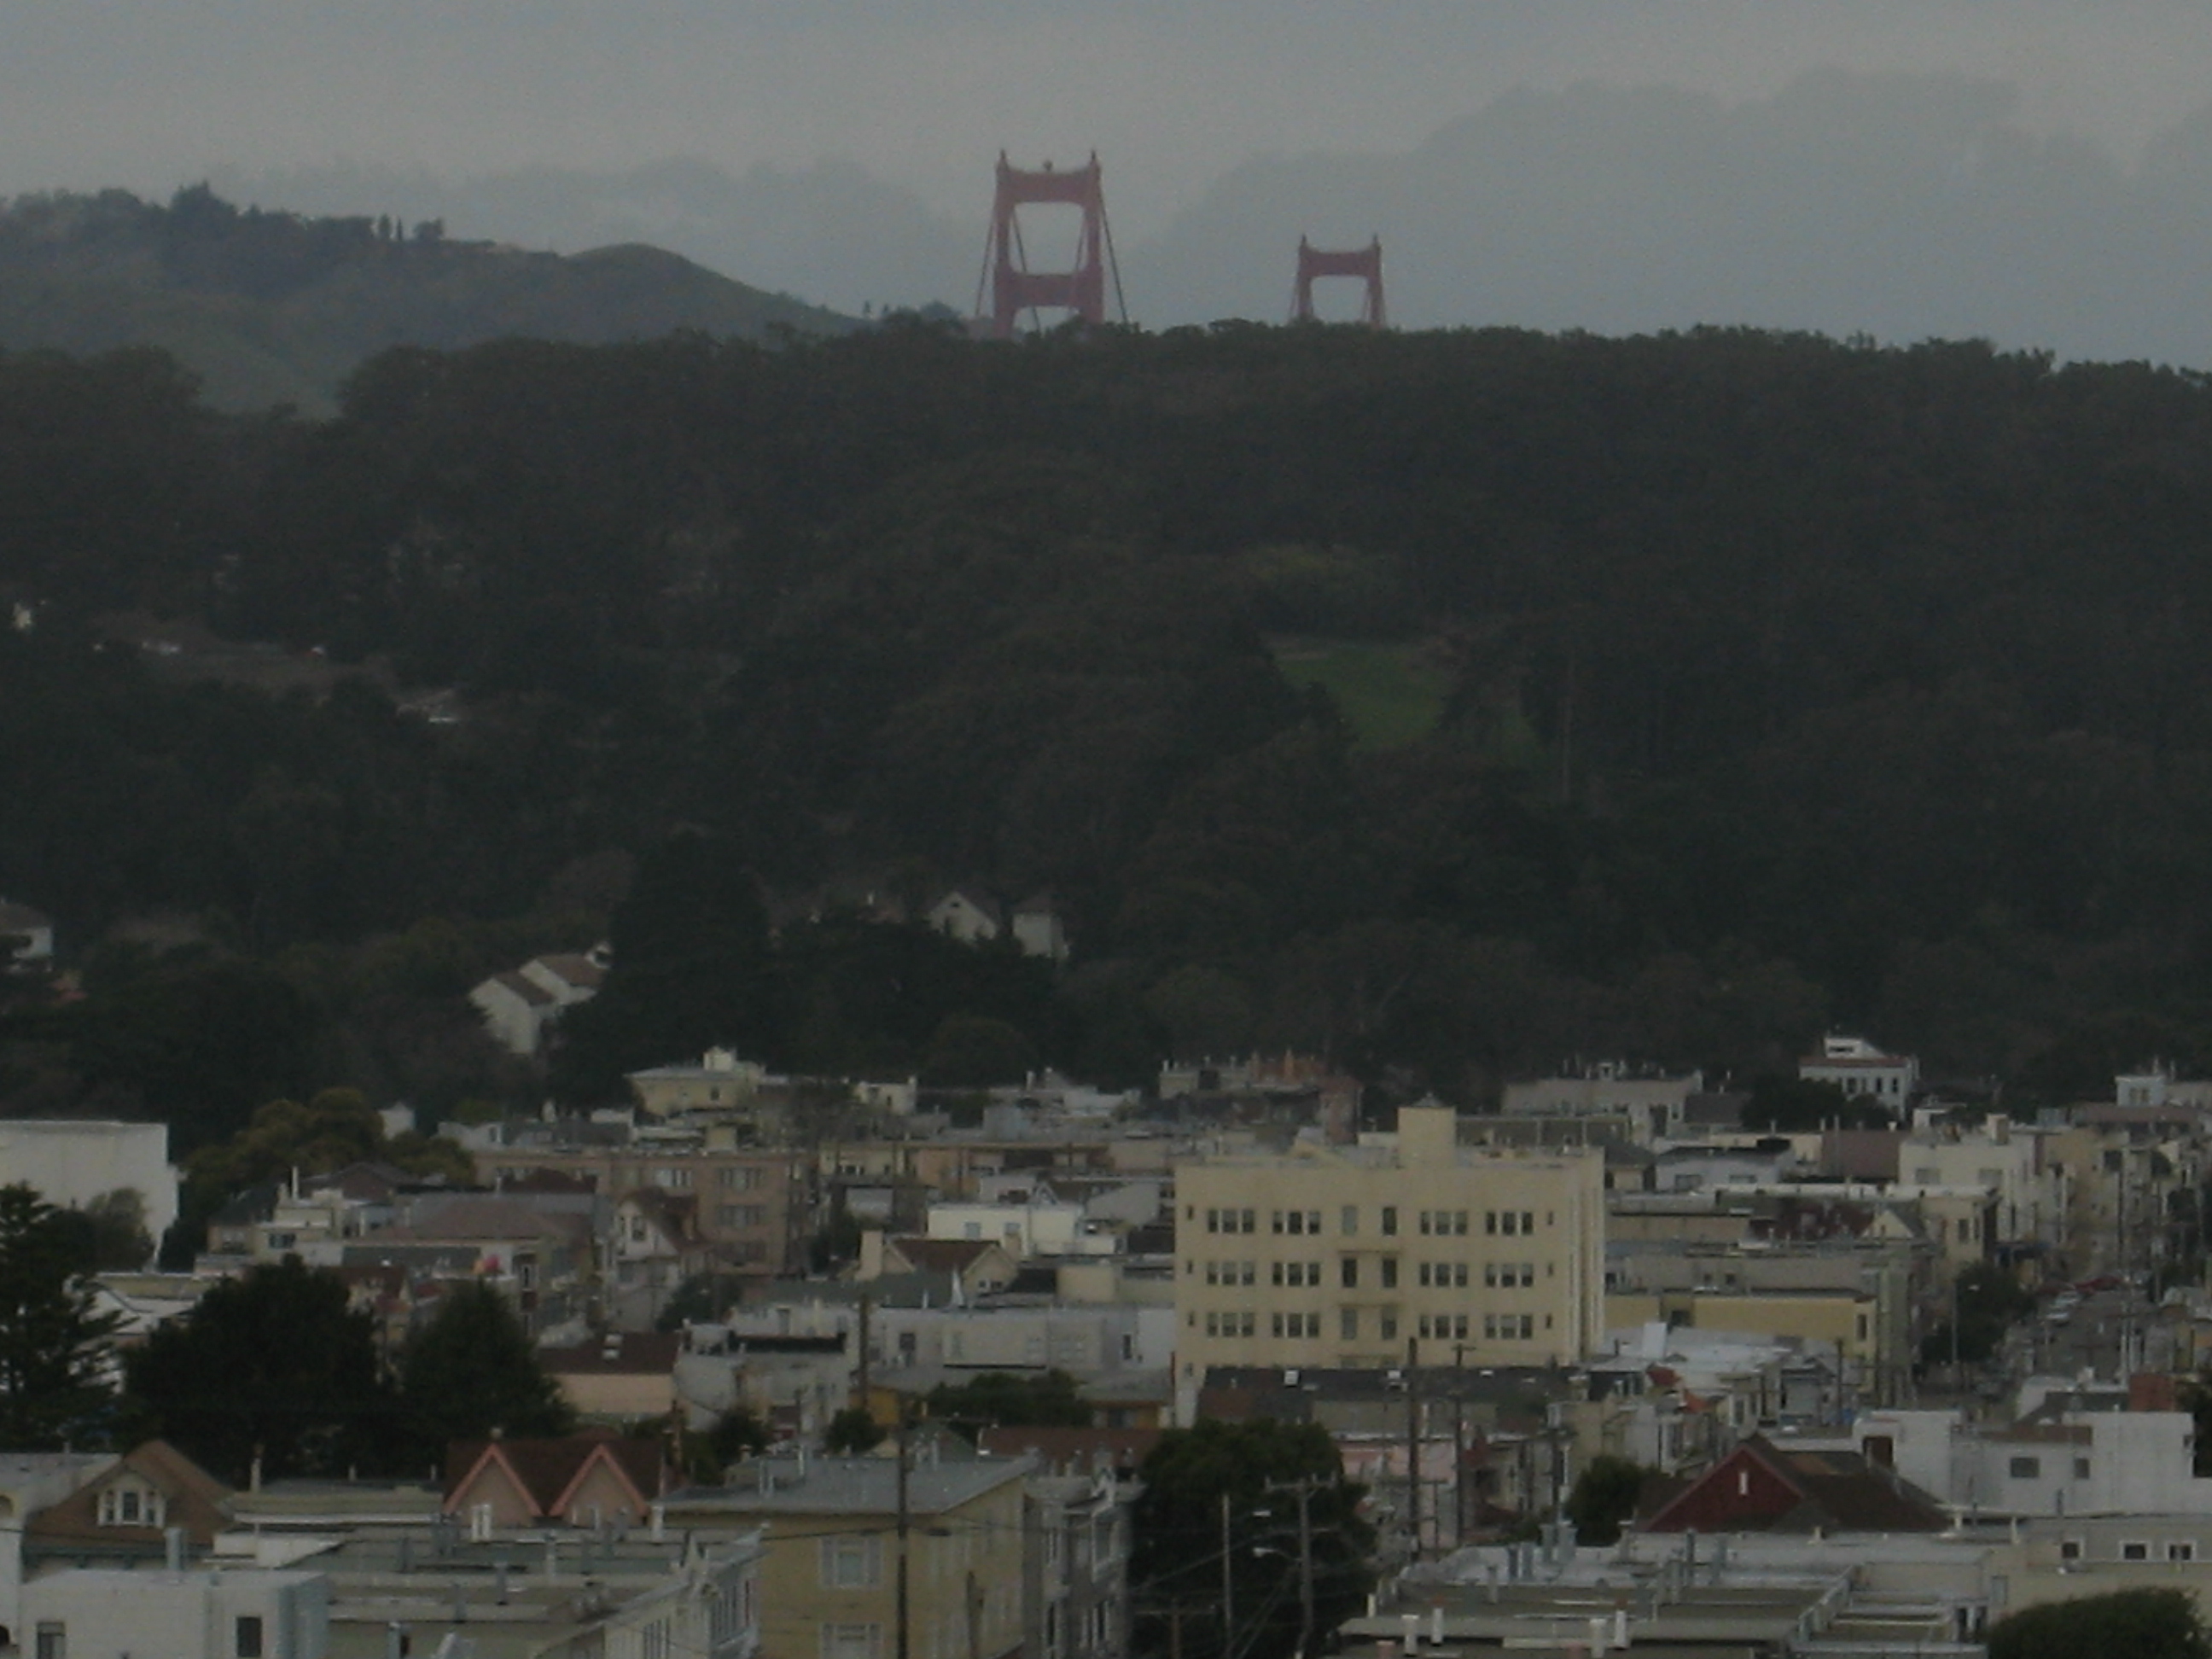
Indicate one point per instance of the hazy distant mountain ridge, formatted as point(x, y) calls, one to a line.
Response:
point(272, 307)
point(831, 230)
point(1904, 206)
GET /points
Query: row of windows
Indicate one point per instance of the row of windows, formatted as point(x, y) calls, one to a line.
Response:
point(1431, 1275)
point(2031, 1468)
point(126, 1506)
point(1449, 1328)
point(2134, 1549)
point(1306, 1223)
point(741, 1215)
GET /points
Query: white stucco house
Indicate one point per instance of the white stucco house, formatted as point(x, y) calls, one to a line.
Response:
point(521, 1007)
point(72, 1163)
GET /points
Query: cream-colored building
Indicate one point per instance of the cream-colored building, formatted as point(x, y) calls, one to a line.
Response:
point(829, 1588)
point(1342, 1255)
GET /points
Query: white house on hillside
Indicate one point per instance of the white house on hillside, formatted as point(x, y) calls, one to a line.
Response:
point(1858, 1068)
point(520, 1007)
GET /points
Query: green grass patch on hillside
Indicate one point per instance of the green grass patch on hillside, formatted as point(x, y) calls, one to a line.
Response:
point(1389, 694)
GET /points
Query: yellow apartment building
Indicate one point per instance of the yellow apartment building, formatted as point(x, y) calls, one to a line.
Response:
point(1341, 1255)
point(830, 1585)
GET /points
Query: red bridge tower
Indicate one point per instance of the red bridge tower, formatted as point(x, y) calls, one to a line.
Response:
point(1014, 288)
point(1364, 264)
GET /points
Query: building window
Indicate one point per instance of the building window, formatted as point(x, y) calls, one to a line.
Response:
point(1349, 1222)
point(2081, 1468)
point(53, 1640)
point(1390, 1272)
point(2070, 1549)
point(1347, 1324)
point(1389, 1221)
point(246, 1636)
point(1385, 1324)
point(851, 1641)
point(2180, 1549)
point(1347, 1272)
point(850, 1564)
point(2134, 1550)
point(2025, 1468)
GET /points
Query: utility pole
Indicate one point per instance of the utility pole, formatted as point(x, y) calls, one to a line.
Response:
point(1413, 1448)
point(1305, 1570)
point(867, 1313)
point(1304, 1490)
point(900, 1581)
point(1228, 1586)
point(1957, 1375)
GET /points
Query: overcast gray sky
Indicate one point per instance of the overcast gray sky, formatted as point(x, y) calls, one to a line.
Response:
point(148, 94)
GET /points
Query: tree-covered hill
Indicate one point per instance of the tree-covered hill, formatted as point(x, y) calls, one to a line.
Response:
point(1781, 681)
point(272, 307)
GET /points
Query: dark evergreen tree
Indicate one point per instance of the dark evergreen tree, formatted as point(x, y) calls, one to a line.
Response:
point(851, 1431)
point(1604, 1497)
point(690, 971)
point(2143, 1624)
point(472, 1372)
point(53, 1340)
point(275, 1370)
point(998, 1399)
point(1260, 1466)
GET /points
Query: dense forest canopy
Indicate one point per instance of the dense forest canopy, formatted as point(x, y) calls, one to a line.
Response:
point(1783, 682)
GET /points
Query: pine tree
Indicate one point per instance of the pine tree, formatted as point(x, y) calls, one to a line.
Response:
point(274, 1370)
point(471, 1371)
point(53, 1340)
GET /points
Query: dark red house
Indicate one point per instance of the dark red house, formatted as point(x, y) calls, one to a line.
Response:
point(1763, 1487)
